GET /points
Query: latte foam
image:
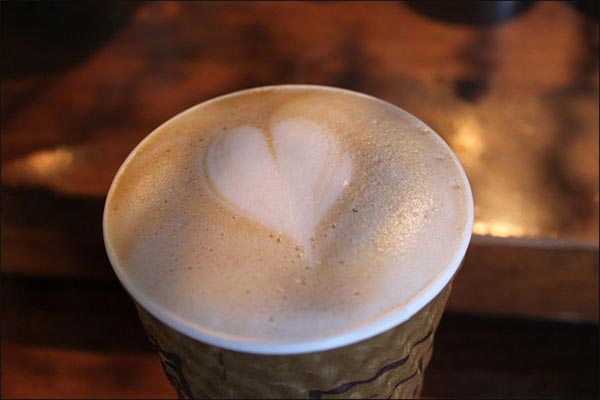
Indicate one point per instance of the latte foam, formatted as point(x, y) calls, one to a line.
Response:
point(284, 218)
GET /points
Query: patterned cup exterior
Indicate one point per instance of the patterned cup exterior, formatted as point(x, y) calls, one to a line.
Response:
point(389, 365)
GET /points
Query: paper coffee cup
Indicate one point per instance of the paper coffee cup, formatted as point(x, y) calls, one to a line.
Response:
point(389, 365)
point(376, 346)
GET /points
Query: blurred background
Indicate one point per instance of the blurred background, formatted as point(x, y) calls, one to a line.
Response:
point(511, 86)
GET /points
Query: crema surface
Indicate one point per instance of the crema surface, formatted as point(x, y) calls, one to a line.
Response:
point(287, 214)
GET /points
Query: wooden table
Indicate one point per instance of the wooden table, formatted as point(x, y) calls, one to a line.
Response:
point(515, 97)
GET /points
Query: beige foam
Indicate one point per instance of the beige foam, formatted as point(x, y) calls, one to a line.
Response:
point(288, 214)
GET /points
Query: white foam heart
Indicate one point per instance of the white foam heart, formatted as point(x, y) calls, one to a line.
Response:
point(288, 183)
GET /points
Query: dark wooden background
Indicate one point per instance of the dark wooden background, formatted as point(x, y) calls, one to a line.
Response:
point(512, 87)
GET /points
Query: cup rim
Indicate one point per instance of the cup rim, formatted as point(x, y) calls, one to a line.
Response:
point(378, 325)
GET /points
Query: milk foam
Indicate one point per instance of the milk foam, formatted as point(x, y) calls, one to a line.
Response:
point(288, 186)
point(286, 215)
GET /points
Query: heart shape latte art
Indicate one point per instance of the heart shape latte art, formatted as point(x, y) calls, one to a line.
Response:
point(287, 181)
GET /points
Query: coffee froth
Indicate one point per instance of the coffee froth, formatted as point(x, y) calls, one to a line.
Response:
point(287, 180)
point(287, 214)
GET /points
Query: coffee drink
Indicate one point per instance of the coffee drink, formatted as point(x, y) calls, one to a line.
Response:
point(288, 218)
